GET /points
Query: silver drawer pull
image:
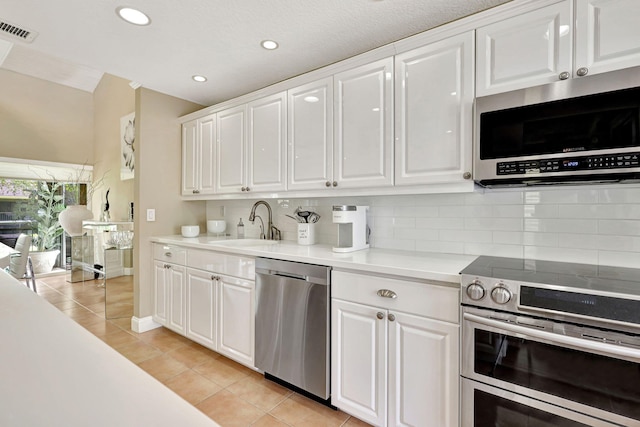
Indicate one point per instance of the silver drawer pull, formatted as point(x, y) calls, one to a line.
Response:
point(387, 293)
point(168, 254)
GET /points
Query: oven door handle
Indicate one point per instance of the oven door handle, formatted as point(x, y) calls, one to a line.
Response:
point(574, 342)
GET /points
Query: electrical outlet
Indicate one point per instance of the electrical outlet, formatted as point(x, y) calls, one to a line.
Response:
point(151, 214)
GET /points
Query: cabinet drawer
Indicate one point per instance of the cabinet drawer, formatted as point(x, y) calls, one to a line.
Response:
point(170, 253)
point(423, 299)
point(217, 262)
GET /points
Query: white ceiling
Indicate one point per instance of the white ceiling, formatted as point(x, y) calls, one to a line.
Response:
point(78, 40)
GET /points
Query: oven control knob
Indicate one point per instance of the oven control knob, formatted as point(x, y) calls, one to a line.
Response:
point(500, 294)
point(475, 291)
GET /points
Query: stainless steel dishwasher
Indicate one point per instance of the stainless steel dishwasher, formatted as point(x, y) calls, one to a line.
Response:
point(292, 324)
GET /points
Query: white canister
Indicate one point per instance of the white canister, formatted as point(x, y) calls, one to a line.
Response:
point(306, 234)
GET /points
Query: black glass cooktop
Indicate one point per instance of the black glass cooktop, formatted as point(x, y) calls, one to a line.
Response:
point(581, 277)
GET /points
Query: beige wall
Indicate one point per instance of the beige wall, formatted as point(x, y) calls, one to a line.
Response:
point(44, 121)
point(113, 98)
point(158, 183)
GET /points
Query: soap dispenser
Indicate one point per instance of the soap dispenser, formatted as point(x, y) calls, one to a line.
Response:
point(240, 229)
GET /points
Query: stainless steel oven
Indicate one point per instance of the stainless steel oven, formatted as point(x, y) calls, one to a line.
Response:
point(549, 344)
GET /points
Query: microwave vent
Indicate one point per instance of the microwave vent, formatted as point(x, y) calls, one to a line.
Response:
point(17, 32)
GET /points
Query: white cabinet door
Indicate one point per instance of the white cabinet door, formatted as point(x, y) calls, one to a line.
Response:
point(358, 361)
point(236, 316)
point(201, 307)
point(423, 371)
point(310, 136)
point(175, 277)
point(198, 138)
point(230, 150)
point(434, 100)
point(527, 50)
point(607, 35)
point(363, 143)
point(190, 181)
point(266, 144)
point(160, 292)
point(206, 153)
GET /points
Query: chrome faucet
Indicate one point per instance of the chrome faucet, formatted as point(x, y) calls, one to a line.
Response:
point(272, 232)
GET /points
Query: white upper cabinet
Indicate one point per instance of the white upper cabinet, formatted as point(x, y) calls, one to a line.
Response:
point(266, 144)
point(198, 138)
point(340, 130)
point(607, 35)
point(310, 148)
point(230, 150)
point(434, 102)
point(250, 146)
point(544, 46)
point(527, 50)
point(363, 143)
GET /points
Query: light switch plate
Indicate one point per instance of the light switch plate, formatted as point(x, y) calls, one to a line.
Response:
point(151, 214)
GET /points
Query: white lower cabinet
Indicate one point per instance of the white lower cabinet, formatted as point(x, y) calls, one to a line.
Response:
point(358, 365)
point(236, 324)
point(208, 297)
point(392, 367)
point(169, 299)
point(201, 307)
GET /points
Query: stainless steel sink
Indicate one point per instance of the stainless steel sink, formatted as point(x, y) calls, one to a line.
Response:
point(242, 243)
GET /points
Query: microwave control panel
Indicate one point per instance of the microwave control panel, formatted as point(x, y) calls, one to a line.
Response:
point(580, 163)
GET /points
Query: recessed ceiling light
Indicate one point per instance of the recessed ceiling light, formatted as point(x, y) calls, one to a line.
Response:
point(199, 78)
point(269, 44)
point(133, 16)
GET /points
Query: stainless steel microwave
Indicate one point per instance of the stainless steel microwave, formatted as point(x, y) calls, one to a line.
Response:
point(573, 131)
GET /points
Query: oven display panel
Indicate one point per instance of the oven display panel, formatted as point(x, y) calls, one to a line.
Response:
point(620, 309)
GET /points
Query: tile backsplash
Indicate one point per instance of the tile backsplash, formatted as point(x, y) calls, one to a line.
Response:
point(583, 224)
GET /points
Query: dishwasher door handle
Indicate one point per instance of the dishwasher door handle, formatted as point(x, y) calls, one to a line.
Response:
point(290, 275)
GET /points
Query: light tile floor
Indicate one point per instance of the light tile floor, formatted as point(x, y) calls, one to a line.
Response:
point(229, 393)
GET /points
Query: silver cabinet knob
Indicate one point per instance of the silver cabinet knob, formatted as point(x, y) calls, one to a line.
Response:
point(582, 71)
point(475, 291)
point(168, 254)
point(391, 317)
point(213, 277)
point(500, 294)
point(243, 189)
point(196, 191)
point(564, 75)
point(335, 183)
point(387, 293)
point(248, 189)
point(466, 175)
point(380, 315)
point(327, 184)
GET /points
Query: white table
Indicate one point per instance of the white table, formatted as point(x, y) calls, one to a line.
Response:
point(56, 373)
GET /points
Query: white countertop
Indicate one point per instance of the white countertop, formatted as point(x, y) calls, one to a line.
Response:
point(56, 373)
point(416, 265)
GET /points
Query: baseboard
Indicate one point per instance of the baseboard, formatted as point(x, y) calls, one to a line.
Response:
point(143, 324)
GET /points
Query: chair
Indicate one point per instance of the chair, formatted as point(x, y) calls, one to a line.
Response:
point(20, 265)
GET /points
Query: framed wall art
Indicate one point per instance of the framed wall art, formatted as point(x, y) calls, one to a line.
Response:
point(127, 146)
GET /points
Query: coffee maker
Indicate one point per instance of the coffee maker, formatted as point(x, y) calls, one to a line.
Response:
point(353, 232)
